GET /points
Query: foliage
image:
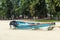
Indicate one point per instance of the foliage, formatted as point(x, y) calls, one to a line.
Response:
point(40, 8)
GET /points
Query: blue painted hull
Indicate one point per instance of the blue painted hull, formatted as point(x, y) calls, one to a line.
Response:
point(30, 26)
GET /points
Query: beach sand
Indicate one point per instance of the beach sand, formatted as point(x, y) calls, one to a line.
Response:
point(8, 34)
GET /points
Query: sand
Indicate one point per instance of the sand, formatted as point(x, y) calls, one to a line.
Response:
point(8, 34)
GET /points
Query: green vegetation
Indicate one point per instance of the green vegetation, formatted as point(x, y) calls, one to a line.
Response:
point(12, 9)
point(47, 20)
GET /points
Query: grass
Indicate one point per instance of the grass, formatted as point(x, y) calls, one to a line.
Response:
point(47, 20)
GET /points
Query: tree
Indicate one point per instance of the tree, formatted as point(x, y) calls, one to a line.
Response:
point(2, 9)
point(9, 6)
point(40, 9)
